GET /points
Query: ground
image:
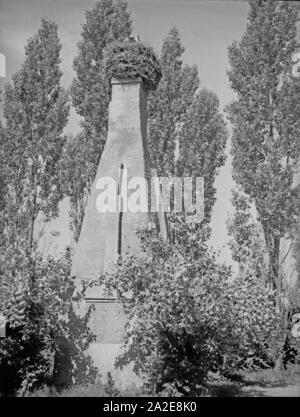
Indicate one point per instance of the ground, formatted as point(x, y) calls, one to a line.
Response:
point(266, 383)
point(261, 384)
point(283, 391)
point(272, 384)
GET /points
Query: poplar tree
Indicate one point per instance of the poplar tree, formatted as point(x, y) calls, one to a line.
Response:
point(35, 112)
point(169, 102)
point(186, 131)
point(202, 143)
point(35, 293)
point(266, 120)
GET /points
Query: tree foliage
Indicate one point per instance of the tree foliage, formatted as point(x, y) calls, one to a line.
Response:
point(36, 295)
point(266, 122)
point(202, 142)
point(46, 340)
point(76, 176)
point(35, 110)
point(186, 131)
point(186, 316)
point(247, 241)
point(169, 102)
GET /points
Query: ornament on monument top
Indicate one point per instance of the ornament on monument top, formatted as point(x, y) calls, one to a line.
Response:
point(130, 58)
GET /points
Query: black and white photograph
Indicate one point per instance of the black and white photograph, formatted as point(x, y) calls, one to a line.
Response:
point(149, 201)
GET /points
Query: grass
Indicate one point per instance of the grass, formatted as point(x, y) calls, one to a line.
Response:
point(273, 378)
point(216, 387)
point(90, 390)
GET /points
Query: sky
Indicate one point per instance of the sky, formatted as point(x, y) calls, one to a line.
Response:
point(207, 28)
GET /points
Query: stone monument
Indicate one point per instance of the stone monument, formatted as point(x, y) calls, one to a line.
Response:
point(107, 235)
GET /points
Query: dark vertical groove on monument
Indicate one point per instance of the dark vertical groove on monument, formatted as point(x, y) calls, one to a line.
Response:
point(121, 210)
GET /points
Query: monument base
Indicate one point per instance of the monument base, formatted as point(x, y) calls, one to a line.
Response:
point(107, 323)
point(104, 356)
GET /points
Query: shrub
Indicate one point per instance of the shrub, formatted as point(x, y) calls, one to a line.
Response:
point(46, 340)
point(186, 316)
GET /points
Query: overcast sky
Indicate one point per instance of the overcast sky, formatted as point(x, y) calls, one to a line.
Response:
point(207, 29)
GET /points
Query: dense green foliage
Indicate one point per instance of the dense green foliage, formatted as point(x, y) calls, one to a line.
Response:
point(186, 131)
point(169, 102)
point(202, 142)
point(45, 341)
point(265, 148)
point(266, 120)
point(186, 316)
point(249, 250)
point(247, 241)
point(35, 111)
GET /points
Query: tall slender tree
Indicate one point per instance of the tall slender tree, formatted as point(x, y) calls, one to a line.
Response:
point(169, 102)
point(77, 173)
point(186, 132)
point(35, 113)
point(202, 143)
point(35, 293)
point(266, 120)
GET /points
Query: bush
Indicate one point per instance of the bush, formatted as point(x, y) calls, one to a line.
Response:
point(46, 341)
point(186, 316)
